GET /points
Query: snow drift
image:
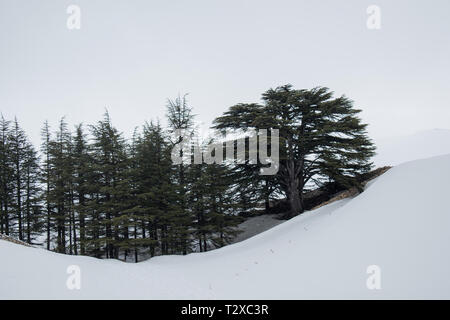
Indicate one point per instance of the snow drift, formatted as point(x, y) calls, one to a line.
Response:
point(401, 223)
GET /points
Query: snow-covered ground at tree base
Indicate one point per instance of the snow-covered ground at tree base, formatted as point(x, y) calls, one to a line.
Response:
point(401, 223)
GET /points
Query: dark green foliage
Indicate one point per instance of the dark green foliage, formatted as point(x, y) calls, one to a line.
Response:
point(92, 192)
point(211, 198)
point(20, 213)
point(321, 138)
point(6, 178)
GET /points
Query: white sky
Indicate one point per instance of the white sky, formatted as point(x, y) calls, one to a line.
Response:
point(130, 56)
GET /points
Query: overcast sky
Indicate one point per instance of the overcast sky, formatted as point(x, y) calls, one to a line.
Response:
point(130, 56)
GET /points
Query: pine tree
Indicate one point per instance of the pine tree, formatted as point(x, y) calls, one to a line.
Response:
point(99, 195)
point(211, 197)
point(19, 173)
point(32, 206)
point(181, 118)
point(45, 180)
point(18, 145)
point(321, 137)
point(6, 177)
point(159, 204)
point(82, 176)
point(220, 199)
point(60, 184)
point(110, 164)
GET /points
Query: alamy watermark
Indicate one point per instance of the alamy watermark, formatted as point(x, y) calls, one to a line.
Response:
point(74, 18)
point(374, 17)
point(187, 150)
point(373, 282)
point(73, 282)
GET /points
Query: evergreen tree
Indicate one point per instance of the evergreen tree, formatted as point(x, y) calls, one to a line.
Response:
point(220, 205)
point(181, 118)
point(211, 197)
point(321, 137)
point(96, 194)
point(158, 197)
point(19, 173)
point(82, 171)
point(60, 181)
point(45, 180)
point(6, 177)
point(32, 206)
point(18, 153)
point(110, 166)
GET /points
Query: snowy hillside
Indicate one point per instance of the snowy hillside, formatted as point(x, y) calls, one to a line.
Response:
point(424, 144)
point(400, 223)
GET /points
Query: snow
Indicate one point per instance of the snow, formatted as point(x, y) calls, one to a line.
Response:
point(401, 223)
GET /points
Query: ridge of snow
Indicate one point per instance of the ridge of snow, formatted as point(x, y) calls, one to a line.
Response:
point(400, 223)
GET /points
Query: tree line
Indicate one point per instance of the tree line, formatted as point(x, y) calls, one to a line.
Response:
point(90, 191)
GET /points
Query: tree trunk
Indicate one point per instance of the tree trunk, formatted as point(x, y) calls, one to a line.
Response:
point(294, 196)
point(70, 234)
point(6, 220)
point(294, 199)
point(75, 240)
point(48, 225)
point(135, 246)
point(82, 224)
point(1, 217)
point(47, 200)
point(19, 202)
point(28, 214)
point(205, 247)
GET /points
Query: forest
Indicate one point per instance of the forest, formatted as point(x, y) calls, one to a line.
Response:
point(90, 191)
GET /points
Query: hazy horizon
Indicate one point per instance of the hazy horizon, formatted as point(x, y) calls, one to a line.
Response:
point(129, 57)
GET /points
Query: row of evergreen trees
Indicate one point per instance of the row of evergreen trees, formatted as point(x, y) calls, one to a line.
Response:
point(92, 192)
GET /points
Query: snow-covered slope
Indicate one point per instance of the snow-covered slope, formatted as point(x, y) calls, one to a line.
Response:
point(424, 144)
point(401, 223)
